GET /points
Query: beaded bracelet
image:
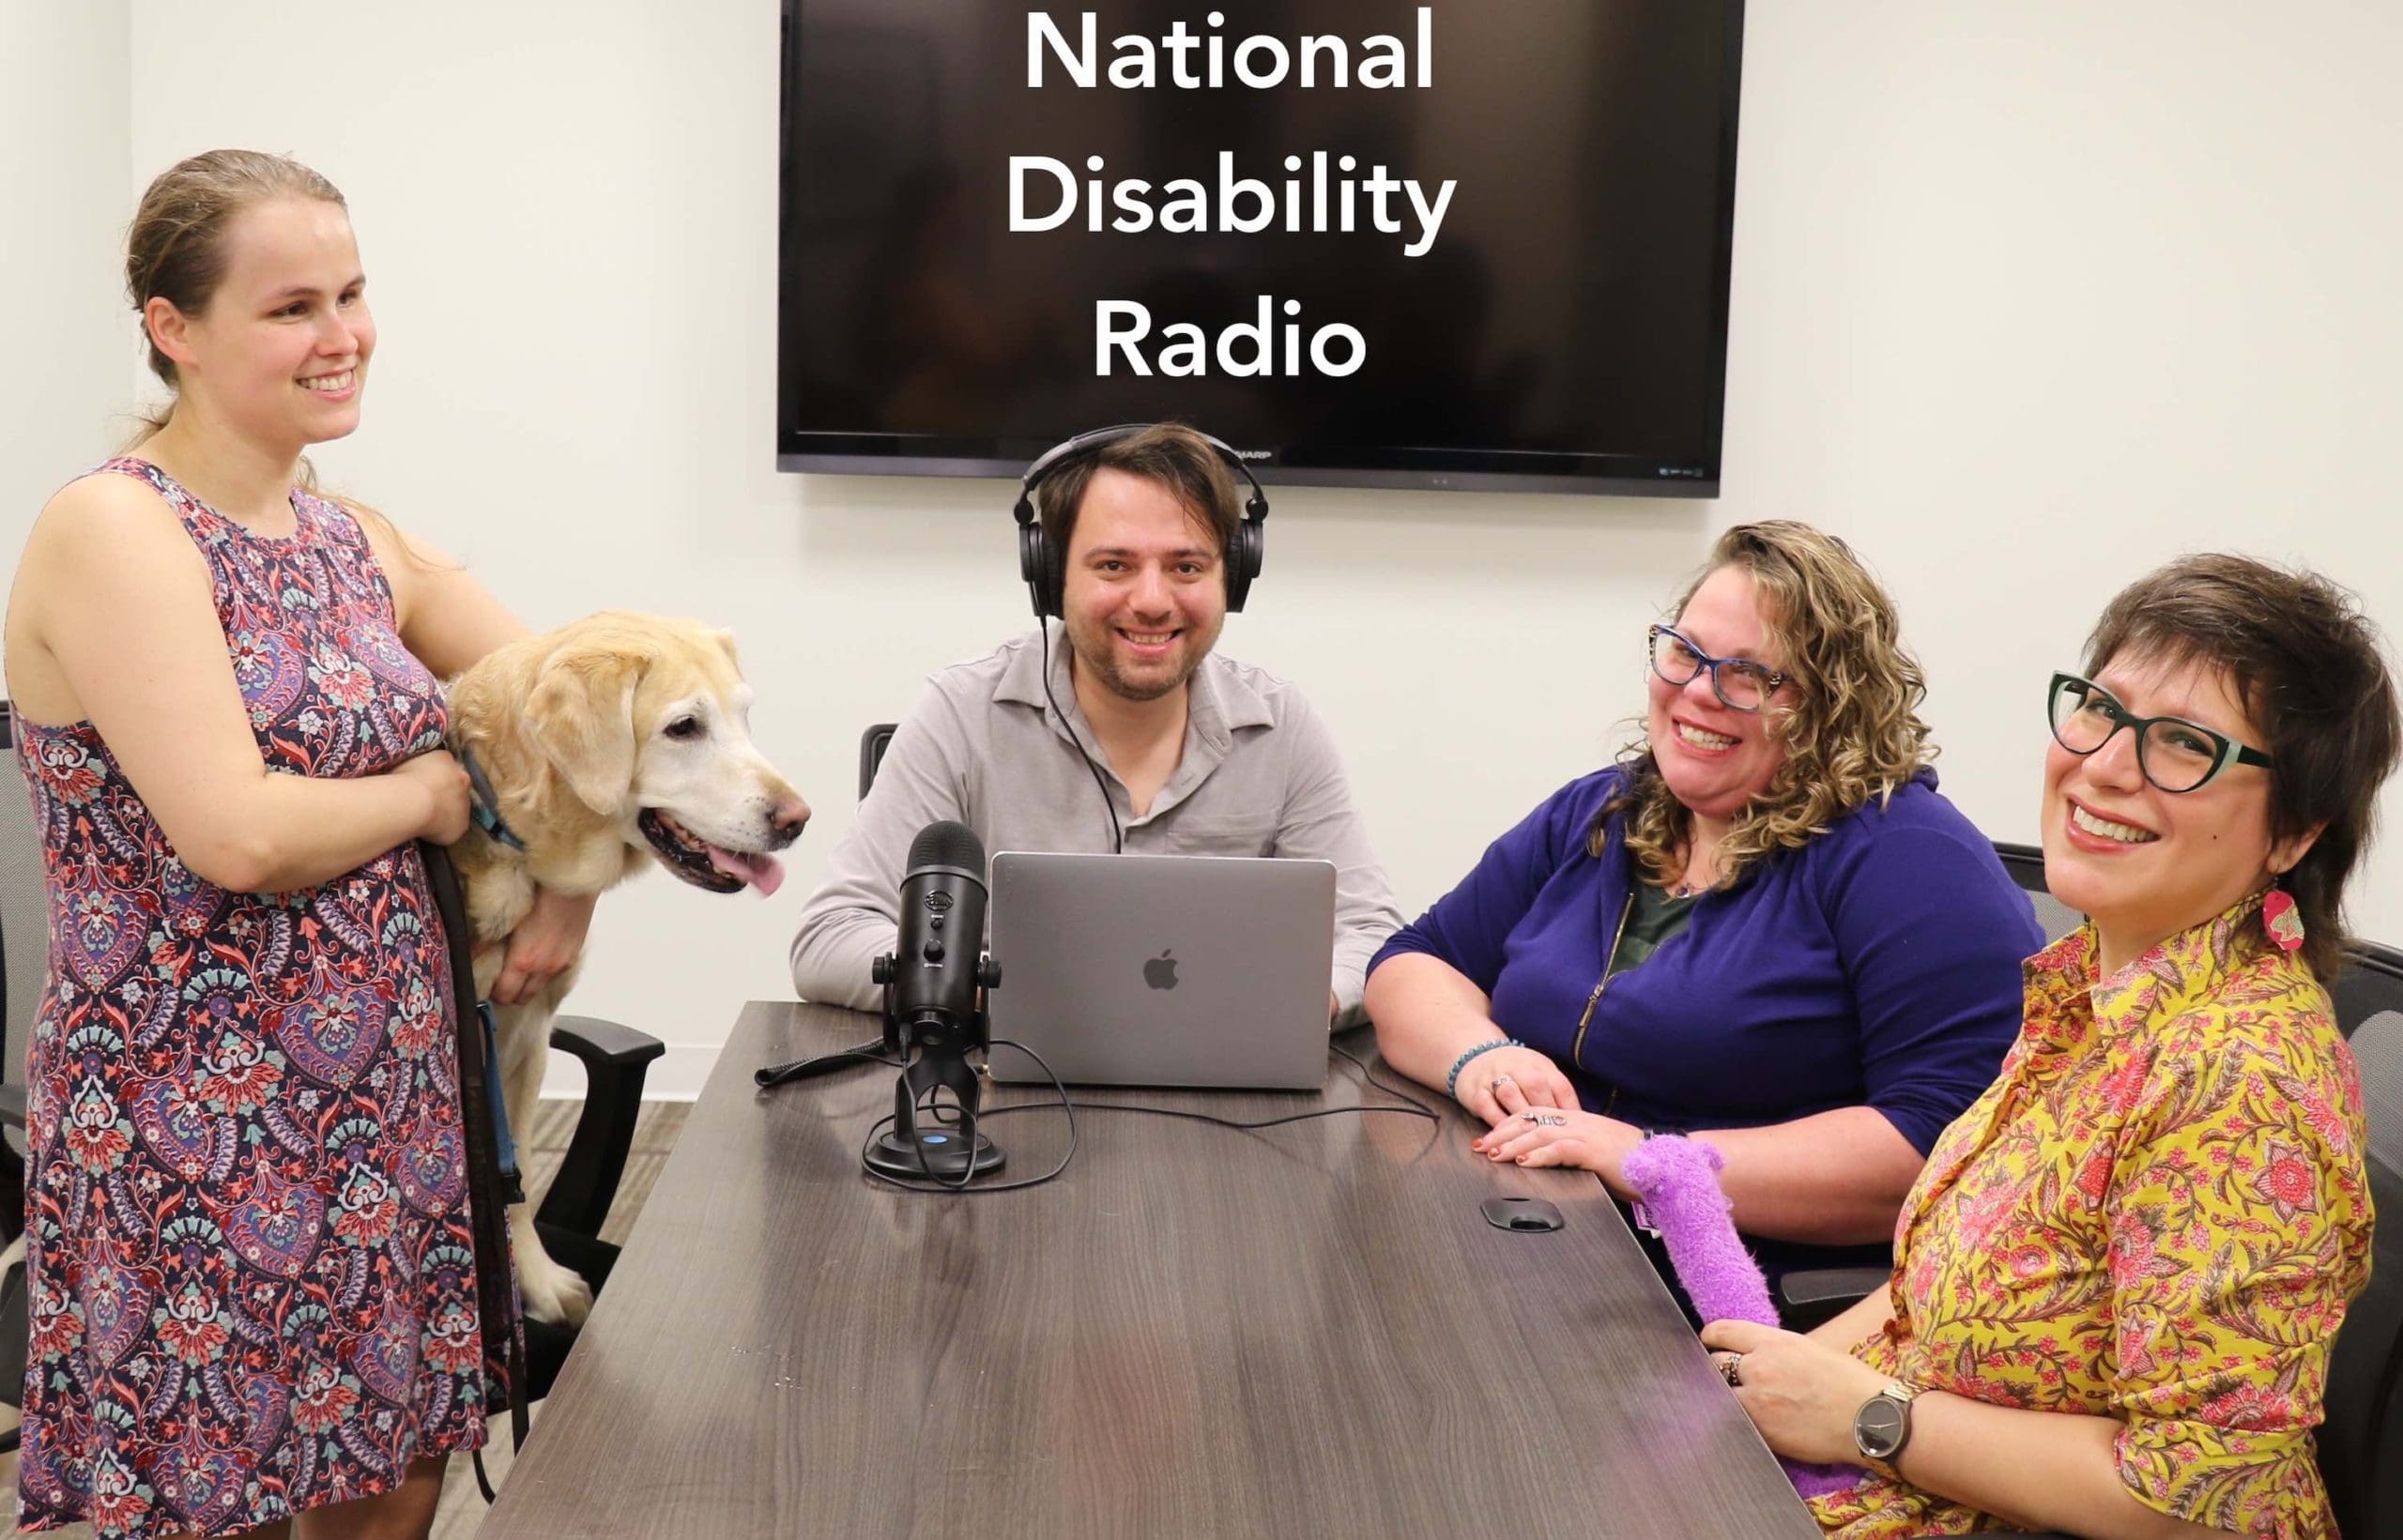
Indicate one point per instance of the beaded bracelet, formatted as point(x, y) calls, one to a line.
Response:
point(1452, 1081)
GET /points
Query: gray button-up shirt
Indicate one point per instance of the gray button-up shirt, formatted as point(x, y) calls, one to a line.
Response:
point(1259, 777)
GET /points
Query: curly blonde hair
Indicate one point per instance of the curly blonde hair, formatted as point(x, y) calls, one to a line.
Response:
point(1853, 732)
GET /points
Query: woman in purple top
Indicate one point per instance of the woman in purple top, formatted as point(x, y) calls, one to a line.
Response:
point(1767, 928)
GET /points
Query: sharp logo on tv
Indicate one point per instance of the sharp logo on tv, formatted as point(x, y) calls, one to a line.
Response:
point(1442, 244)
point(1160, 971)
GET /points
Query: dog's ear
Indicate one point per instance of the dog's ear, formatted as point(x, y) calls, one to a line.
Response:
point(581, 714)
point(726, 643)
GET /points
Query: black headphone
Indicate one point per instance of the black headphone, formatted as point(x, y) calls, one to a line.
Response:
point(1044, 574)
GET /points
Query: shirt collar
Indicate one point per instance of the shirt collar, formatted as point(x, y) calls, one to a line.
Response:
point(1219, 703)
point(2163, 983)
point(1022, 680)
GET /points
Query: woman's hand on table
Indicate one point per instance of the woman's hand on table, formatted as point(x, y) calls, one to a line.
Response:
point(1550, 1135)
point(1500, 1083)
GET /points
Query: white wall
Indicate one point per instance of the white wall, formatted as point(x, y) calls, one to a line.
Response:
point(65, 154)
point(2026, 299)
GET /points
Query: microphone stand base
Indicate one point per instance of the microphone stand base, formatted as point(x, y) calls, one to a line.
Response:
point(943, 1156)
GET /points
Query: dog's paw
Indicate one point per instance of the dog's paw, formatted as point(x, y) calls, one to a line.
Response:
point(555, 1295)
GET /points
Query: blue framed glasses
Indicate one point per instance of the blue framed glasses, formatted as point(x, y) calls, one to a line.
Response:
point(2175, 754)
point(1742, 684)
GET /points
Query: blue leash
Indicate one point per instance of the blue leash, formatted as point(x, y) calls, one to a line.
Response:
point(504, 1141)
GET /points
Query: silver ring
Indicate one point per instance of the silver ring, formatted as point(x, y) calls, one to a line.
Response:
point(1730, 1369)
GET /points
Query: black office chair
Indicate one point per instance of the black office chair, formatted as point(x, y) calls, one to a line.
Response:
point(616, 1060)
point(872, 746)
point(2369, 983)
point(24, 957)
point(2361, 1442)
point(2025, 865)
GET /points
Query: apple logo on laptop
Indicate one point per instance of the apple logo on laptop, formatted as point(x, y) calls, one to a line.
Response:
point(1160, 972)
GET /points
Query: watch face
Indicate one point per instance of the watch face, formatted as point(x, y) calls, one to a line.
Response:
point(1878, 1426)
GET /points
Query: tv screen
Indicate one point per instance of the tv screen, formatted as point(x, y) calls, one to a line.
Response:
point(1467, 244)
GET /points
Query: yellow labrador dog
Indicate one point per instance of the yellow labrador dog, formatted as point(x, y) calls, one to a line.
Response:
point(611, 743)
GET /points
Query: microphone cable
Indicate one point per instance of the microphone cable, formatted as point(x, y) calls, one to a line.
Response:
point(1411, 1106)
point(962, 1186)
point(1371, 1077)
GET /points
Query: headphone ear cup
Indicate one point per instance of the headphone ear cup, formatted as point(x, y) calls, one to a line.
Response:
point(1034, 568)
point(1243, 562)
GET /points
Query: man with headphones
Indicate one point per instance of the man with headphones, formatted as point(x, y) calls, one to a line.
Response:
point(1130, 733)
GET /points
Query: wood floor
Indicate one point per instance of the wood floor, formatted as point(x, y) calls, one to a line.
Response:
point(541, 1150)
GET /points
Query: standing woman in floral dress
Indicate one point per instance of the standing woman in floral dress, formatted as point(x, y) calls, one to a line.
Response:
point(251, 1278)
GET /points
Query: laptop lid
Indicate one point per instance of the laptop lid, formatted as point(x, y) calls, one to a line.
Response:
point(1163, 970)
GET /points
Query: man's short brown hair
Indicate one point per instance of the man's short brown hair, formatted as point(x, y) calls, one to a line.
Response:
point(1169, 456)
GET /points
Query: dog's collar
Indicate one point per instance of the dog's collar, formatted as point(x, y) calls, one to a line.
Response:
point(483, 805)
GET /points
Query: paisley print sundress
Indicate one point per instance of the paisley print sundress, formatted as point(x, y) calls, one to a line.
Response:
point(251, 1275)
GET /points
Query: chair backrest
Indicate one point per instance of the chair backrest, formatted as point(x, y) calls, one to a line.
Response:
point(2361, 1442)
point(25, 908)
point(2369, 986)
point(2025, 865)
point(872, 746)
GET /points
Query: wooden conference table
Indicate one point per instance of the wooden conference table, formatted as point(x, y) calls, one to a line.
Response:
point(1308, 1330)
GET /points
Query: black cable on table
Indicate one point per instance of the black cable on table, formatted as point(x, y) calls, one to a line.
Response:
point(1411, 1108)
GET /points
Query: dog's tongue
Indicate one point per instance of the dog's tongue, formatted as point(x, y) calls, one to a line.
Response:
point(765, 873)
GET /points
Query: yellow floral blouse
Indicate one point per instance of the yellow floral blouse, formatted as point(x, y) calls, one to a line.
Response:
point(2158, 1212)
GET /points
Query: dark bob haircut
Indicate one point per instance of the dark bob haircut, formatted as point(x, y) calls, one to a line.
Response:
point(2311, 670)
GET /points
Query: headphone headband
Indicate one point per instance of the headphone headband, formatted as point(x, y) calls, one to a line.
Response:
point(1036, 563)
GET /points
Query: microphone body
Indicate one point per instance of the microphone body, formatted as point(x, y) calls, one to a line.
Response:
point(934, 1014)
point(940, 964)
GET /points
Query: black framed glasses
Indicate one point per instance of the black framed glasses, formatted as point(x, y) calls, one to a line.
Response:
point(1742, 684)
point(2174, 753)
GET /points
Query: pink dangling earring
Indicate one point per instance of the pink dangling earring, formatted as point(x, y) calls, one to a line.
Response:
point(2282, 919)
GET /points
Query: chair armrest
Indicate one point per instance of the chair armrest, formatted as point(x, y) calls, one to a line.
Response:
point(616, 1058)
point(1817, 1286)
point(1809, 1297)
point(597, 1042)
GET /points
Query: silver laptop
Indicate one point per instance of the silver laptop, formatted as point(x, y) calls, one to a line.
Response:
point(1163, 970)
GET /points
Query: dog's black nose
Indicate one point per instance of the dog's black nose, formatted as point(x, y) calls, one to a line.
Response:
point(788, 820)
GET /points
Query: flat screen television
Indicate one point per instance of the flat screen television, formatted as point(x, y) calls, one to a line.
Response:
point(1463, 244)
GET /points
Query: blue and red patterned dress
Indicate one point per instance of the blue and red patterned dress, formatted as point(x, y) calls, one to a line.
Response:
point(251, 1273)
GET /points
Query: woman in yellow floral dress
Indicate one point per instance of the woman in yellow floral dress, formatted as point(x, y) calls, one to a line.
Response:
point(2118, 1279)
